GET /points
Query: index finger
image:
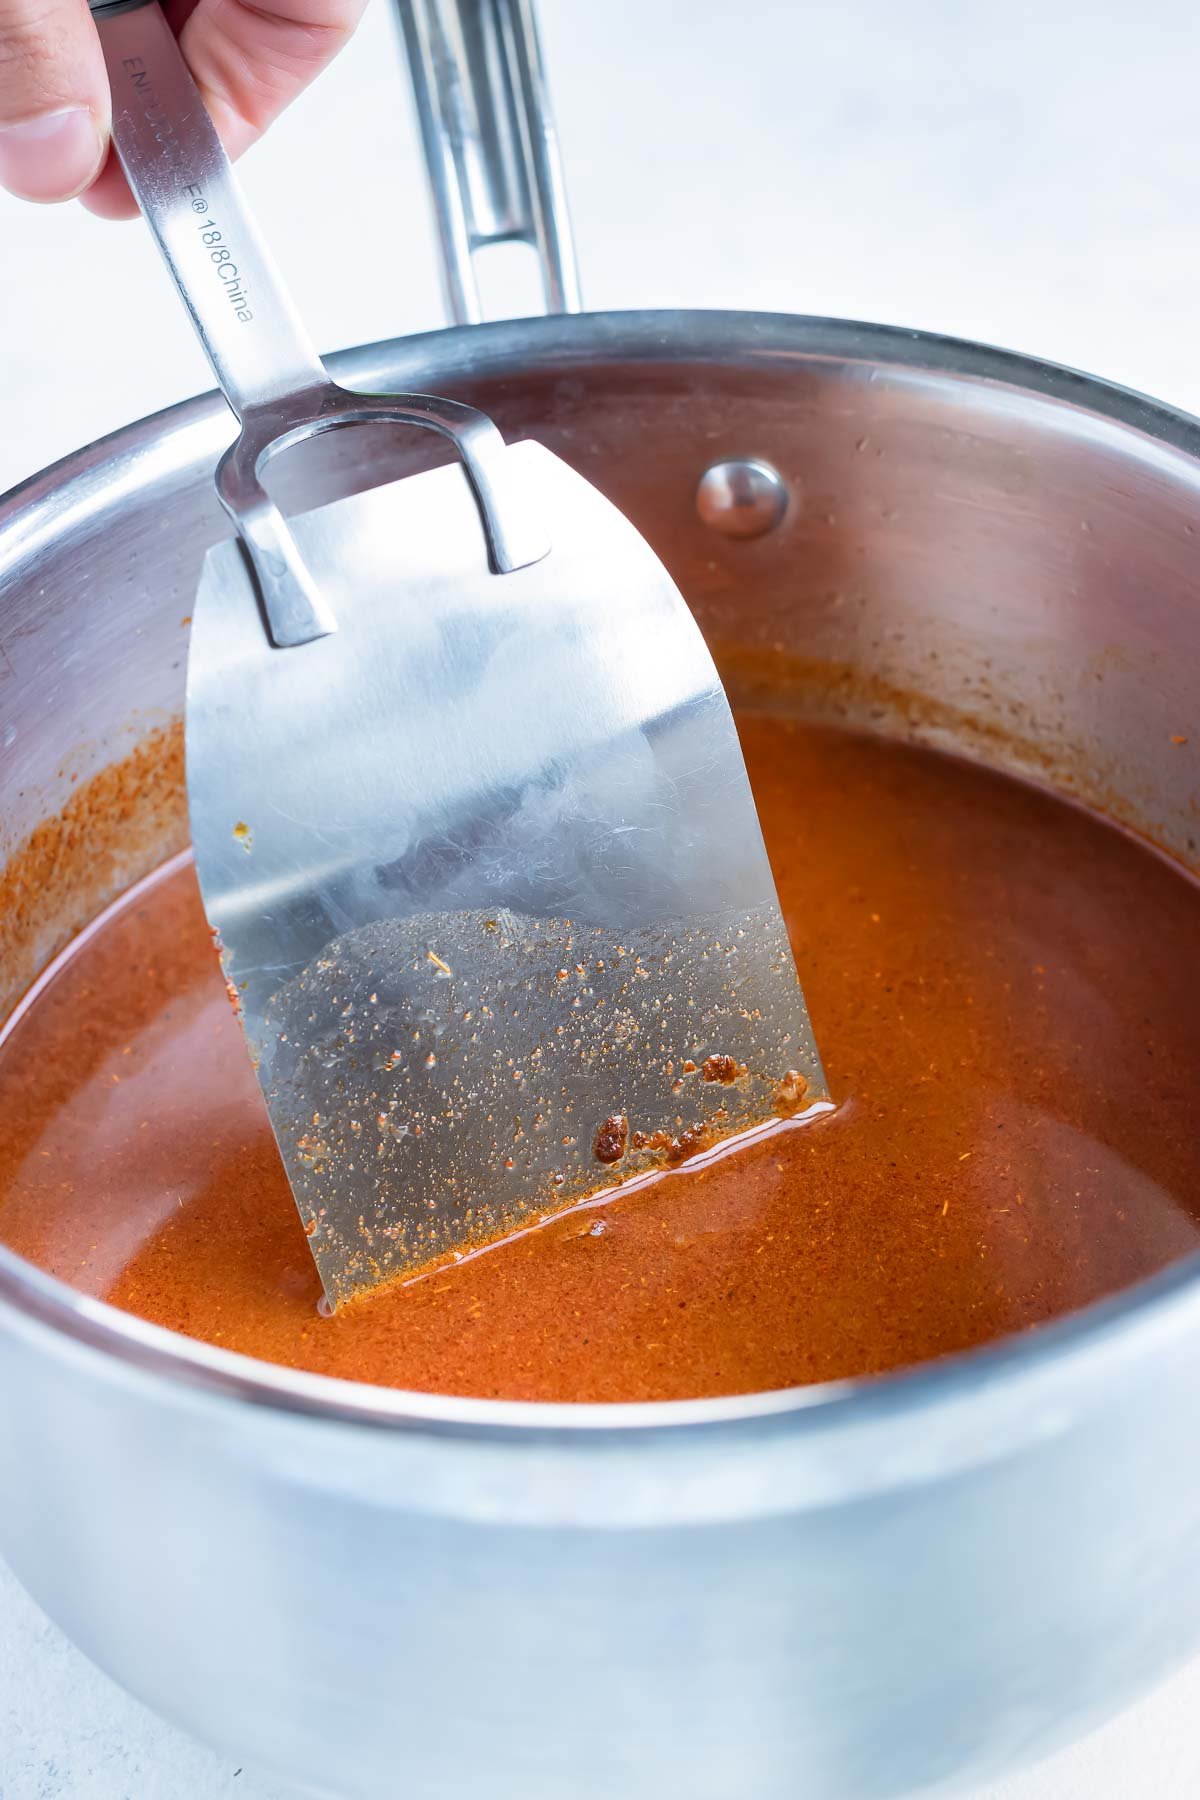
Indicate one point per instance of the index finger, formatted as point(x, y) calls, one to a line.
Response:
point(249, 62)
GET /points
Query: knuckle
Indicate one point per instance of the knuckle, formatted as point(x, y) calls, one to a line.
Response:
point(34, 48)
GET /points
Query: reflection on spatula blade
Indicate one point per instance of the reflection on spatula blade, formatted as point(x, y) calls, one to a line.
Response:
point(486, 872)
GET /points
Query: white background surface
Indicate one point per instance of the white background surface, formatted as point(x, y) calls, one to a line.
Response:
point(1027, 174)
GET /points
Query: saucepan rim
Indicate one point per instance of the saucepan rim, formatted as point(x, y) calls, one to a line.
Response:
point(1144, 1315)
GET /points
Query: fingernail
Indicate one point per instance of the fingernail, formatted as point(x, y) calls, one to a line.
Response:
point(52, 157)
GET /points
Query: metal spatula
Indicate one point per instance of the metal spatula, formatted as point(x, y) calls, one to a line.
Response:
point(469, 812)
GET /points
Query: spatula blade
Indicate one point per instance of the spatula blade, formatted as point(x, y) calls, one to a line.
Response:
point(485, 870)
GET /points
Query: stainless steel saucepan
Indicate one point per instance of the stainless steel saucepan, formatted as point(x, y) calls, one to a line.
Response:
point(861, 1591)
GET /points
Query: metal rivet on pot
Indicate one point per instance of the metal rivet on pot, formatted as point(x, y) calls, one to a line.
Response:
point(742, 498)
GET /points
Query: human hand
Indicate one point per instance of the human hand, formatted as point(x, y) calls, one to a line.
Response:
point(250, 58)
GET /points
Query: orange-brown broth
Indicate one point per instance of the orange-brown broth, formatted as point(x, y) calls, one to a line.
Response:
point(1007, 996)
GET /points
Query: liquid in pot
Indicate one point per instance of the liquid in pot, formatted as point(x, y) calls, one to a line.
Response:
point(1006, 994)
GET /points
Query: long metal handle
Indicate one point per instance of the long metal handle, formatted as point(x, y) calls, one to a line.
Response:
point(267, 367)
point(490, 143)
point(185, 185)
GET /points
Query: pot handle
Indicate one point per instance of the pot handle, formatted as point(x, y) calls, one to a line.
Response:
point(491, 149)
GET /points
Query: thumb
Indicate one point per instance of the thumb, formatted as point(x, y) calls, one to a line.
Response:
point(54, 105)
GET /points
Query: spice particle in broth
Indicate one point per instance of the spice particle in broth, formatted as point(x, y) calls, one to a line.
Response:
point(725, 1069)
point(612, 1138)
point(964, 942)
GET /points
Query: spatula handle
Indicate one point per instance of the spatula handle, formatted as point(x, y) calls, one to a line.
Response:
point(185, 185)
point(268, 369)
